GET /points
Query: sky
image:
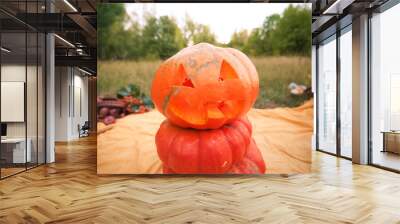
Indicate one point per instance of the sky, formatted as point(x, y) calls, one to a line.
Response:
point(223, 18)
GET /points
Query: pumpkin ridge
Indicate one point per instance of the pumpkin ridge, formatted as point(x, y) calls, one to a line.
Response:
point(171, 144)
point(220, 152)
point(230, 151)
point(201, 156)
point(246, 123)
point(199, 153)
point(180, 149)
point(241, 127)
point(174, 151)
point(212, 153)
point(231, 145)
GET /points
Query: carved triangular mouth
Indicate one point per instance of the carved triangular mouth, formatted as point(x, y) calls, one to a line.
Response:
point(212, 101)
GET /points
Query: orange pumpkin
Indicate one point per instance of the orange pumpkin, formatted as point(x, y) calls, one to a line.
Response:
point(251, 163)
point(205, 87)
point(185, 150)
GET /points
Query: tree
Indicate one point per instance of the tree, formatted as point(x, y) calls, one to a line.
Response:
point(120, 38)
point(293, 31)
point(188, 30)
point(150, 37)
point(195, 33)
point(284, 34)
point(133, 40)
point(162, 37)
point(110, 19)
point(203, 34)
point(255, 42)
point(170, 38)
point(239, 40)
point(268, 30)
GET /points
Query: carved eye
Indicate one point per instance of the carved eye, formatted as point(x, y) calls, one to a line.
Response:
point(227, 72)
point(187, 82)
point(182, 73)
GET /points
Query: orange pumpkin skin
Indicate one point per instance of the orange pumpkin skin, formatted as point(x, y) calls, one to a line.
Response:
point(205, 87)
point(251, 163)
point(190, 151)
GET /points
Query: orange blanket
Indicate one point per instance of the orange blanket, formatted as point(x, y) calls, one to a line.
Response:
point(283, 135)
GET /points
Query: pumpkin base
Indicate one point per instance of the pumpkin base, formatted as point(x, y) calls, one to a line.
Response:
point(252, 163)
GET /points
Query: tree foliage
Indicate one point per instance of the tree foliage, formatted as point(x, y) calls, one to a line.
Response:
point(196, 33)
point(285, 34)
point(170, 37)
point(110, 21)
point(293, 31)
point(239, 40)
point(161, 37)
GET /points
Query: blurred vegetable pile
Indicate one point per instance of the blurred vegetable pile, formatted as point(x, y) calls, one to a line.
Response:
point(129, 100)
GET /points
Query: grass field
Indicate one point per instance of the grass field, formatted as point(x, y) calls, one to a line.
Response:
point(275, 74)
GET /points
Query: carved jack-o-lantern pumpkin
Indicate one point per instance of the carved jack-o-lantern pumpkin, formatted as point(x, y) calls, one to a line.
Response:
point(205, 87)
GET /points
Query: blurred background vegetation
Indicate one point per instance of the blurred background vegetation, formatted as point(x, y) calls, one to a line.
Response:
point(280, 50)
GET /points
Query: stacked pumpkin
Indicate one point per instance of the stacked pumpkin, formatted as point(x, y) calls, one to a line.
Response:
point(205, 93)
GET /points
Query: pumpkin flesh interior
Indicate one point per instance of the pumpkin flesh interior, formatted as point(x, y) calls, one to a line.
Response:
point(186, 104)
point(197, 106)
point(209, 103)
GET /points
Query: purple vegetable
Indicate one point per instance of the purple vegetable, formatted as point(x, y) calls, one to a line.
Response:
point(109, 120)
point(115, 112)
point(104, 111)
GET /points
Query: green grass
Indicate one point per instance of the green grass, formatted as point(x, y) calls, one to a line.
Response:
point(275, 74)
